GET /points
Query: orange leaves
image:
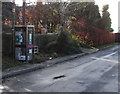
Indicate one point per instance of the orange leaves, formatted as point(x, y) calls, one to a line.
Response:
point(79, 22)
point(28, 14)
point(94, 36)
point(7, 22)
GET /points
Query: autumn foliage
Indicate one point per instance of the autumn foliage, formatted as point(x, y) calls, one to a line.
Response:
point(95, 36)
point(88, 25)
point(91, 35)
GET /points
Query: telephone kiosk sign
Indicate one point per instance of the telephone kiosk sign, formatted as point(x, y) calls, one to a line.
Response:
point(24, 42)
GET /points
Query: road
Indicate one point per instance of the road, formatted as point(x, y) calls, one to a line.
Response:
point(97, 72)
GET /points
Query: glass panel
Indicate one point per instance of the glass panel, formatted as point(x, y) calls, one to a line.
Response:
point(18, 38)
point(30, 38)
point(30, 52)
point(20, 35)
point(30, 35)
point(20, 53)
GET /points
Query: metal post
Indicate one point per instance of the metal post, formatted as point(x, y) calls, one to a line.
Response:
point(13, 28)
point(26, 34)
point(23, 12)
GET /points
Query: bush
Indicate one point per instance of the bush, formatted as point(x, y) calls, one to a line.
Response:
point(51, 47)
point(54, 54)
point(43, 41)
point(84, 39)
point(7, 44)
point(65, 43)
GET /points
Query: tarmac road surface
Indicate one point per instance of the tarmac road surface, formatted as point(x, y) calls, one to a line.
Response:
point(97, 72)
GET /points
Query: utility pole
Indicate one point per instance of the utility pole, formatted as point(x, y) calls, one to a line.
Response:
point(63, 16)
point(23, 12)
point(13, 13)
point(13, 27)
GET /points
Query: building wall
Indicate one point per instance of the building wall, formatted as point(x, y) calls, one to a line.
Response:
point(117, 37)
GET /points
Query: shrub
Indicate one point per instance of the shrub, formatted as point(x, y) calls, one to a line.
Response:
point(43, 41)
point(7, 44)
point(67, 45)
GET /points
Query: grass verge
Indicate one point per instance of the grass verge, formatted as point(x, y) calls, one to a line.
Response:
point(106, 45)
point(7, 62)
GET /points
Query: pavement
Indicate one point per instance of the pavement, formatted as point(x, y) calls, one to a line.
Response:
point(11, 72)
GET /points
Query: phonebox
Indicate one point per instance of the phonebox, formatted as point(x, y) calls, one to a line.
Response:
point(24, 42)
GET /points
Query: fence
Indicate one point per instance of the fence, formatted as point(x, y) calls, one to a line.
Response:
point(95, 36)
point(100, 36)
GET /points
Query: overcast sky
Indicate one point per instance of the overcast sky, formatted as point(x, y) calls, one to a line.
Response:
point(113, 9)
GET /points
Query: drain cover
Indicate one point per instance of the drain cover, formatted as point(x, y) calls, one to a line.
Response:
point(60, 76)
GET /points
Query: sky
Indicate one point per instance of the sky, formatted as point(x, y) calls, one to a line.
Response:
point(113, 10)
